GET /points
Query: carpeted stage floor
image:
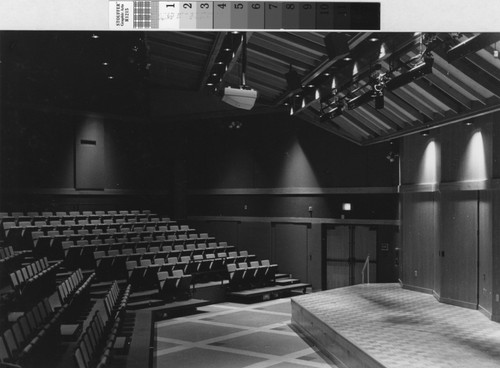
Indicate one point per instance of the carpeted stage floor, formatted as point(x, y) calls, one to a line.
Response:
point(384, 325)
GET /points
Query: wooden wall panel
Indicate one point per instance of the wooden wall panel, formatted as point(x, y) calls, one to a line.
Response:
point(290, 249)
point(459, 242)
point(486, 250)
point(418, 240)
point(496, 257)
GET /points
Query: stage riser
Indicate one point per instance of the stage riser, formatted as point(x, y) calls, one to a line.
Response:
point(334, 346)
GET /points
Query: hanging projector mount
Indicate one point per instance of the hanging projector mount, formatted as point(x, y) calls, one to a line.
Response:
point(243, 97)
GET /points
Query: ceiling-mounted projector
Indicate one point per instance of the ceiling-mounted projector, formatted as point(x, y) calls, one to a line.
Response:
point(242, 98)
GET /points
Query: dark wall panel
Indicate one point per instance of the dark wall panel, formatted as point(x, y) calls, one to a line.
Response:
point(459, 242)
point(279, 151)
point(89, 155)
point(418, 240)
point(256, 238)
point(290, 248)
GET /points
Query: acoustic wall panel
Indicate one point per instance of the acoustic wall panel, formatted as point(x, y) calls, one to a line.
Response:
point(89, 155)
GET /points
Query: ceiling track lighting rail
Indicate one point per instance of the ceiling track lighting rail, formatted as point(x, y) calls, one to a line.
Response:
point(344, 81)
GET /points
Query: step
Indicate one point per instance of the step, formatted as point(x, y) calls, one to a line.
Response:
point(270, 290)
point(282, 275)
point(148, 303)
point(139, 296)
point(286, 281)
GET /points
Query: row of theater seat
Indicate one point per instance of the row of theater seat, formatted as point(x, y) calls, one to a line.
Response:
point(142, 273)
point(82, 256)
point(174, 285)
point(35, 331)
point(9, 262)
point(115, 267)
point(52, 245)
point(247, 275)
point(94, 347)
point(28, 333)
point(31, 215)
point(67, 288)
point(34, 280)
point(69, 221)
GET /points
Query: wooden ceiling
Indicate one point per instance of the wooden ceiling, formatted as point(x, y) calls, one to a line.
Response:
point(465, 87)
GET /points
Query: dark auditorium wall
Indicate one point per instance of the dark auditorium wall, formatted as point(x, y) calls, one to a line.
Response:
point(253, 187)
point(450, 213)
point(40, 164)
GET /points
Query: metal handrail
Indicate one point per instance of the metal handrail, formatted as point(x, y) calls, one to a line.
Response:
point(366, 266)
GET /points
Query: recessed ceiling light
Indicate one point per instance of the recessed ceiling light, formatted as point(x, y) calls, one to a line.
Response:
point(210, 84)
point(310, 85)
point(95, 36)
point(111, 77)
point(105, 63)
point(347, 58)
point(373, 39)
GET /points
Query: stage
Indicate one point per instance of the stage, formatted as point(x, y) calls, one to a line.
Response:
point(384, 325)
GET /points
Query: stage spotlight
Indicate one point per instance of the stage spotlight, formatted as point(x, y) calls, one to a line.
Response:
point(293, 80)
point(413, 74)
point(337, 45)
point(425, 133)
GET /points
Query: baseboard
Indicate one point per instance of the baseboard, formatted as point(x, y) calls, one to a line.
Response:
point(417, 288)
point(458, 303)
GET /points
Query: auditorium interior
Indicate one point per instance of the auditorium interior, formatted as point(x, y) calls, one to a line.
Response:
point(249, 199)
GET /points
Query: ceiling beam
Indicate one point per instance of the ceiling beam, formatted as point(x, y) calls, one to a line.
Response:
point(324, 66)
point(212, 57)
point(377, 116)
point(481, 111)
point(478, 75)
point(235, 59)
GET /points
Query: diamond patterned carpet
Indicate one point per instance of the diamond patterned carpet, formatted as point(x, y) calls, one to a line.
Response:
point(402, 328)
point(231, 335)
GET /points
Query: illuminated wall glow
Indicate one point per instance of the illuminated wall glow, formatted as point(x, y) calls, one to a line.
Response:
point(427, 173)
point(297, 170)
point(473, 163)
